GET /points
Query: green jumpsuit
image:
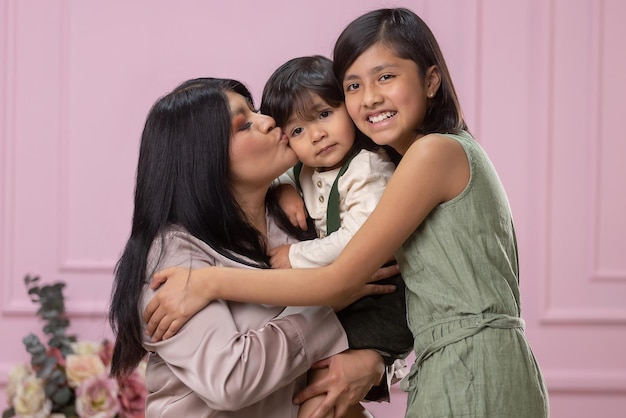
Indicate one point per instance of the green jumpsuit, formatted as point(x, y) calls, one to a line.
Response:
point(463, 307)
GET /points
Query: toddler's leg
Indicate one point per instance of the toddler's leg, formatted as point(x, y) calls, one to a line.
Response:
point(357, 411)
point(307, 407)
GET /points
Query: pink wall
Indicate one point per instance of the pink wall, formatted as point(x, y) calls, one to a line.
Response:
point(542, 83)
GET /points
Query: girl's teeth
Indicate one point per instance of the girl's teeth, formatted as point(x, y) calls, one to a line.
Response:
point(381, 117)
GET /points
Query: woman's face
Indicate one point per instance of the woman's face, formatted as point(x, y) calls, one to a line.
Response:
point(259, 152)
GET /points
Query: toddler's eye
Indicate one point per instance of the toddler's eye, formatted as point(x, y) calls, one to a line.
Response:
point(296, 131)
point(352, 86)
point(324, 114)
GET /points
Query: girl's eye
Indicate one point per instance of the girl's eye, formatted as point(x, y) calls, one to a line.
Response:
point(324, 114)
point(385, 77)
point(352, 87)
point(296, 131)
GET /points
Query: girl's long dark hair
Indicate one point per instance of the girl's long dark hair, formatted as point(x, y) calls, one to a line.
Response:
point(409, 37)
point(182, 178)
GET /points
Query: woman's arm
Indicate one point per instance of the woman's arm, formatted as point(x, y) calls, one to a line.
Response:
point(231, 368)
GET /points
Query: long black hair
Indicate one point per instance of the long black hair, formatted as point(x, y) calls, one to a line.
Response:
point(183, 179)
point(409, 37)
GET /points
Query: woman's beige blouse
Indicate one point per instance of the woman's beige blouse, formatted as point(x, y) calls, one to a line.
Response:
point(233, 359)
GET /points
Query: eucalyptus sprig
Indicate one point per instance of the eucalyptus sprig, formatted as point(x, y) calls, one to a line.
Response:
point(52, 312)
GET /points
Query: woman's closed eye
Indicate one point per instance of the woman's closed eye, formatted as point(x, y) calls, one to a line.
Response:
point(244, 126)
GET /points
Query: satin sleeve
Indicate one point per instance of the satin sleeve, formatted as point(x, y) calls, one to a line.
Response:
point(232, 355)
point(230, 368)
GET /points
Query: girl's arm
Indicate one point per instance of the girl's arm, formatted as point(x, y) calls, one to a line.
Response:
point(361, 188)
point(433, 170)
point(179, 298)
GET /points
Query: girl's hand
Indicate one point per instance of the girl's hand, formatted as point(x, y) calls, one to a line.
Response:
point(176, 301)
point(279, 257)
point(292, 204)
point(372, 289)
point(350, 376)
point(388, 270)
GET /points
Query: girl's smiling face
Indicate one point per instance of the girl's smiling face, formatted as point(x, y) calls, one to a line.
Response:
point(386, 96)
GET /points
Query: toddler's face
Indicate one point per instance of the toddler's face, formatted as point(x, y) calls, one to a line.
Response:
point(324, 141)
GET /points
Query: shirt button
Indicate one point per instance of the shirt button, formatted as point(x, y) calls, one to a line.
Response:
point(319, 184)
point(321, 199)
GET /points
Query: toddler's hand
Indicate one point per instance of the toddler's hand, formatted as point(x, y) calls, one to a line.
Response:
point(279, 257)
point(292, 204)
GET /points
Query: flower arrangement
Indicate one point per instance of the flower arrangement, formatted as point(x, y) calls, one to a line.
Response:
point(69, 378)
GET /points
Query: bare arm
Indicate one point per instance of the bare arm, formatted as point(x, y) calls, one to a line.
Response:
point(433, 170)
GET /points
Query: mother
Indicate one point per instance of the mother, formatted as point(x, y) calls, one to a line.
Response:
point(203, 197)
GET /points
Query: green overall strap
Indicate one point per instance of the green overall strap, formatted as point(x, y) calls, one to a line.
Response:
point(297, 169)
point(332, 211)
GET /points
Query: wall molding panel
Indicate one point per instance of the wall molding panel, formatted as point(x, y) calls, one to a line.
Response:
point(542, 84)
point(580, 286)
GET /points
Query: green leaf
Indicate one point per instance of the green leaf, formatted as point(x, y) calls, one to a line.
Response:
point(30, 340)
point(57, 377)
point(48, 366)
point(62, 396)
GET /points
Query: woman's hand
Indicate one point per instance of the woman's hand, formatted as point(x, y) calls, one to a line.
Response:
point(350, 376)
point(292, 204)
point(176, 301)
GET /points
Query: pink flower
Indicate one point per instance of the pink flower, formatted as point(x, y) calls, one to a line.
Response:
point(132, 395)
point(97, 397)
point(82, 367)
point(56, 353)
point(106, 352)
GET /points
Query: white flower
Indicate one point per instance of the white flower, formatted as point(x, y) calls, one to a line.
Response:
point(30, 399)
point(16, 376)
point(86, 347)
